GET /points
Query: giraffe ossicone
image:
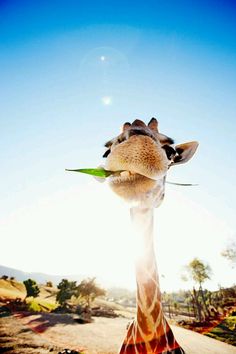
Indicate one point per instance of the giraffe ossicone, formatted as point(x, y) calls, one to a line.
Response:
point(144, 155)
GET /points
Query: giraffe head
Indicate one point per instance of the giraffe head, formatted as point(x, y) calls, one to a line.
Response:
point(144, 155)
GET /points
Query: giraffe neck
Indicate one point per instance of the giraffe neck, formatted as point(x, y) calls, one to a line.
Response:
point(149, 333)
point(149, 310)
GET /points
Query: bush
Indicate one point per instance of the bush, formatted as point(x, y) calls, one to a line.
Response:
point(49, 284)
point(34, 306)
point(89, 290)
point(32, 288)
point(66, 290)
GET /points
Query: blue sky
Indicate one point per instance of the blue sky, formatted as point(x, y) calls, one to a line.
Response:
point(60, 101)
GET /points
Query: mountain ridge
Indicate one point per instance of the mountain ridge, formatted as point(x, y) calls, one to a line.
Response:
point(40, 277)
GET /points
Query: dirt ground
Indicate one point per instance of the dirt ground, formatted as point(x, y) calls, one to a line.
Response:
point(49, 333)
point(18, 339)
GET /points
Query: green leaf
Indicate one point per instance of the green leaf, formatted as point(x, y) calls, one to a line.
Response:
point(98, 172)
point(102, 173)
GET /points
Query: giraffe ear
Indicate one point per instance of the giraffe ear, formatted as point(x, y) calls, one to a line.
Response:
point(185, 152)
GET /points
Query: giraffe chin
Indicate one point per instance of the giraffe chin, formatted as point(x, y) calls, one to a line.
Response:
point(132, 186)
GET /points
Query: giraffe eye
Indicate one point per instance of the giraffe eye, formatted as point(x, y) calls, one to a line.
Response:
point(170, 152)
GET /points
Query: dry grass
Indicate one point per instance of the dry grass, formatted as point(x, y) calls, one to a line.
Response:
point(48, 293)
point(11, 289)
point(45, 302)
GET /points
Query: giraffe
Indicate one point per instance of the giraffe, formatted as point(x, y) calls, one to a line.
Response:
point(144, 155)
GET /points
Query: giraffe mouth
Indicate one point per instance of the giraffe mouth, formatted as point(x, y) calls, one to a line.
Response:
point(131, 186)
point(126, 176)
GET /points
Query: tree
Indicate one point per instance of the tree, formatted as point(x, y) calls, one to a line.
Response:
point(230, 253)
point(4, 277)
point(49, 284)
point(176, 307)
point(189, 300)
point(66, 290)
point(32, 288)
point(199, 273)
point(89, 290)
point(166, 300)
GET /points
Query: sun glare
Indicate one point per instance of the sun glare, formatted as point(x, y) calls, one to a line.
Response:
point(107, 100)
point(100, 240)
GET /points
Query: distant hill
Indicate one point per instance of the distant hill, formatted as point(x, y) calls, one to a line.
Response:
point(11, 289)
point(41, 278)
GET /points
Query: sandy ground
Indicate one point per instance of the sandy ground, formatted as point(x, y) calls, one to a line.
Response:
point(49, 333)
point(195, 343)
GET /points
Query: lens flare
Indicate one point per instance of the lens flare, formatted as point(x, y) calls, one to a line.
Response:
point(107, 100)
